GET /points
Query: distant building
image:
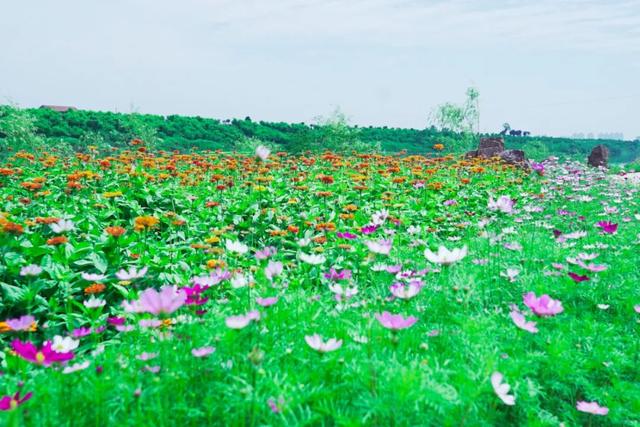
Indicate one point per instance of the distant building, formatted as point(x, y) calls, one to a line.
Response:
point(58, 108)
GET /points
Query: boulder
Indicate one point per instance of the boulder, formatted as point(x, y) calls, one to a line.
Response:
point(490, 147)
point(599, 156)
point(514, 157)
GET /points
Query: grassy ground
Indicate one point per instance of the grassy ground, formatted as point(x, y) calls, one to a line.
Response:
point(182, 217)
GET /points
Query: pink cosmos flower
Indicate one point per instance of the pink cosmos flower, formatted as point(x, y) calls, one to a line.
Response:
point(22, 323)
point(266, 302)
point(239, 322)
point(9, 403)
point(521, 322)
point(607, 227)
point(637, 308)
point(266, 252)
point(503, 204)
point(594, 268)
point(382, 247)
point(502, 389)
point(273, 269)
point(395, 321)
point(214, 278)
point(399, 290)
point(165, 301)
point(592, 408)
point(316, 343)
point(578, 278)
point(202, 351)
point(544, 305)
point(146, 356)
point(44, 356)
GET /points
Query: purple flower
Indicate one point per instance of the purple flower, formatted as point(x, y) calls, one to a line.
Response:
point(544, 305)
point(395, 321)
point(335, 275)
point(22, 323)
point(538, 168)
point(81, 332)
point(450, 202)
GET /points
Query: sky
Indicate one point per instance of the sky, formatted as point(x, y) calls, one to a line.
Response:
point(552, 67)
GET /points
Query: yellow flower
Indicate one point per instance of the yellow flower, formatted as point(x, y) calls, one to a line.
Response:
point(112, 194)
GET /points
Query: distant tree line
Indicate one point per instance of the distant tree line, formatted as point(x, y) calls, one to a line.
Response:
point(77, 129)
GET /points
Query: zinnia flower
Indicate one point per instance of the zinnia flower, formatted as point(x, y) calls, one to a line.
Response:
point(316, 343)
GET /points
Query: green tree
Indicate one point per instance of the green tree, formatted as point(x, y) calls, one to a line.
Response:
point(17, 131)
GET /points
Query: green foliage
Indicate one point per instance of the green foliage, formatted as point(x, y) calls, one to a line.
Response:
point(17, 131)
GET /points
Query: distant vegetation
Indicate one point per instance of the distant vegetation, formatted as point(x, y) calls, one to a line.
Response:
point(77, 129)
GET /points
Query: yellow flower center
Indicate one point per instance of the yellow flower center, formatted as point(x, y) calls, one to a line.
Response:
point(40, 357)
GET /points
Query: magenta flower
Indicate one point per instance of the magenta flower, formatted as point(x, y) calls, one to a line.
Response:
point(333, 274)
point(544, 305)
point(81, 332)
point(22, 323)
point(9, 403)
point(194, 294)
point(521, 322)
point(316, 343)
point(578, 278)
point(538, 168)
point(266, 302)
point(166, 301)
point(592, 408)
point(346, 235)
point(368, 229)
point(607, 227)
point(202, 351)
point(115, 321)
point(395, 321)
point(45, 356)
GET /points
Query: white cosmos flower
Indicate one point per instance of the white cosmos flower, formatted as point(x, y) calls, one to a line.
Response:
point(64, 345)
point(445, 256)
point(262, 152)
point(502, 389)
point(131, 274)
point(31, 270)
point(316, 343)
point(240, 281)
point(94, 302)
point(93, 277)
point(62, 226)
point(237, 247)
point(312, 259)
point(76, 367)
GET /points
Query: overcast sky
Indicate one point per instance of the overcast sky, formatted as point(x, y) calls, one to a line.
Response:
point(549, 66)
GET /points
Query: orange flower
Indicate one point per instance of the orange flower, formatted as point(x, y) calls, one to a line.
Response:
point(96, 288)
point(215, 263)
point(293, 229)
point(59, 240)
point(145, 222)
point(4, 327)
point(438, 147)
point(115, 231)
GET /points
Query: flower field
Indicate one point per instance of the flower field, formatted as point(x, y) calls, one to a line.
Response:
point(158, 289)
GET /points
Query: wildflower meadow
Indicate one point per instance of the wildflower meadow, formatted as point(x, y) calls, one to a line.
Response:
point(152, 288)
